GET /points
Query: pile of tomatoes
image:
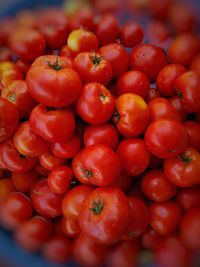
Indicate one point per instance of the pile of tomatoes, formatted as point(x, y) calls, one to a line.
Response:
point(100, 134)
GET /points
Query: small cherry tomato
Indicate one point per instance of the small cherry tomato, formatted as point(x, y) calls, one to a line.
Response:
point(131, 34)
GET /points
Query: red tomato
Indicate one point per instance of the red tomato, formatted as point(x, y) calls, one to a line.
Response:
point(151, 240)
point(82, 18)
point(178, 104)
point(70, 228)
point(165, 217)
point(134, 82)
point(95, 104)
point(104, 133)
point(9, 118)
point(156, 186)
point(23, 66)
point(73, 200)
point(131, 34)
point(6, 187)
point(49, 161)
point(184, 170)
point(96, 165)
point(131, 115)
point(45, 202)
point(59, 179)
point(33, 233)
point(96, 220)
point(42, 171)
point(188, 198)
point(148, 59)
point(24, 181)
point(157, 32)
point(5, 54)
point(8, 27)
point(193, 129)
point(47, 79)
point(17, 93)
point(46, 123)
point(65, 52)
point(15, 208)
point(195, 65)
point(153, 93)
point(133, 155)
point(159, 9)
point(166, 138)
point(92, 67)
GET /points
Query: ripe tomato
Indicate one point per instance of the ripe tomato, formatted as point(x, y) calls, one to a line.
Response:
point(45, 202)
point(134, 82)
point(92, 67)
point(46, 123)
point(49, 161)
point(164, 141)
point(131, 34)
point(96, 165)
point(153, 93)
point(151, 240)
point(133, 155)
point(96, 220)
point(178, 104)
point(9, 118)
point(47, 79)
point(5, 54)
point(158, 33)
point(193, 129)
point(65, 52)
point(82, 18)
point(159, 9)
point(24, 181)
point(131, 115)
point(70, 228)
point(23, 66)
point(184, 170)
point(195, 65)
point(6, 187)
point(188, 198)
point(95, 104)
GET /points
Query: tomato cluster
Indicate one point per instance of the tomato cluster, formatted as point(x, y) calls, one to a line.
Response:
point(100, 133)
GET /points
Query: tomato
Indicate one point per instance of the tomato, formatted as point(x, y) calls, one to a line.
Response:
point(164, 141)
point(24, 181)
point(9, 118)
point(184, 48)
point(17, 93)
point(131, 34)
point(46, 123)
point(82, 18)
point(158, 9)
point(107, 29)
point(65, 52)
point(148, 59)
point(190, 229)
point(134, 82)
point(70, 228)
point(152, 94)
point(123, 181)
point(6, 187)
point(45, 202)
point(33, 233)
point(28, 44)
point(165, 217)
point(8, 27)
point(47, 79)
point(67, 149)
point(73, 200)
point(117, 56)
point(81, 40)
point(187, 87)
point(23, 66)
point(5, 54)
point(188, 198)
point(132, 115)
point(92, 67)
point(156, 186)
point(88, 253)
point(139, 219)
point(193, 129)
point(49, 161)
point(13, 160)
point(166, 79)
point(96, 165)
point(184, 170)
point(157, 33)
point(96, 220)
point(28, 143)
point(104, 133)
point(133, 155)
point(160, 108)
point(42, 171)
point(151, 240)
point(195, 65)
point(57, 249)
point(178, 104)
point(15, 208)
point(95, 104)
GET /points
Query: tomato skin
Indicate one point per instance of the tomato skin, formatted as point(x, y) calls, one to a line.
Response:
point(131, 34)
point(49, 161)
point(188, 198)
point(96, 220)
point(33, 233)
point(153, 93)
point(9, 119)
point(6, 187)
point(157, 10)
point(5, 54)
point(93, 68)
point(65, 52)
point(59, 179)
point(95, 104)
point(73, 200)
point(47, 78)
point(158, 33)
point(17, 93)
point(24, 181)
point(133, 82)
point(166, 79)
point(163, 142)
point(28, 143)
point(104, 133)
point(165, 217)
point(178, 104)
point(132, 115)
point(184, 170)
point(96, 165)
point(133, 155)
point(45, 202)
point(151, 240)
point(70, 228)
point(123, 181)
point(23, 66)
point(156, 186)
point(193, 129)
point(82, 18)
point(195, 65)
point(46, 123)
point(148, 59)
point(15, 208)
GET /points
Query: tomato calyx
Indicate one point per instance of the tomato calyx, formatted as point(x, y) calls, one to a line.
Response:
point(116, 117)
point(21, 156)
point(56, 66)
point(12, 97)
point(87, 173)
point(179, 94)
point(97, 206)
point(96, 60)
point(185, 158)
point(49, 109)
point(103, 98)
